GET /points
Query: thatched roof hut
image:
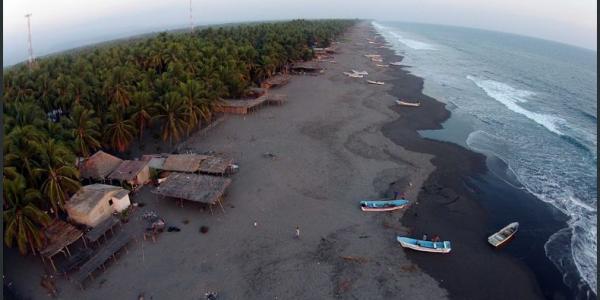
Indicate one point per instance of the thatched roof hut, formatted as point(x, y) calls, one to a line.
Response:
point(59, 235)
point(276, 81)
point(215, 165)
point(135, 172)
point(99, 166)
point(193, 187)
point(307, 67)
point(183, 162)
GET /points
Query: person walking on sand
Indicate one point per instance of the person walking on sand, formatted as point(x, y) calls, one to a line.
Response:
point(298, 232)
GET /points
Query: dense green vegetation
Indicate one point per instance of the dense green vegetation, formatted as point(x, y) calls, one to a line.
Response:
point(73, 104)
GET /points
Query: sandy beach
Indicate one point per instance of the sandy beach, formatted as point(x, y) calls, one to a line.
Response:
point(336, 141)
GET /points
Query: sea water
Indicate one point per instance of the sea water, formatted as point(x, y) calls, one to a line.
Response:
point(529, 102)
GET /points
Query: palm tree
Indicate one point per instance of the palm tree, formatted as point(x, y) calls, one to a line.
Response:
point(22, 219)
point(119, 130)
point(171, 113)
point(21, 150)
point(142, 111)
point(193, 95)
point(117, 86)
point(61, 177)
point(85, 130)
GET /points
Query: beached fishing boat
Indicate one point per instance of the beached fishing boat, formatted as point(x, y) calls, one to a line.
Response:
point(360, 72)
point(424, 246)
point(499, 238)
point(383, 205)
point(396, 63)
point(376, 59)
point(375, 82)
point(404, 103)
point(382, 66)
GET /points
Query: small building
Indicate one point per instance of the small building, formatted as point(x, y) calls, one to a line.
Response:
point(241, 106)
point(214, 165)
point(188, 163)
point(155, 161)
point(310, 67)
point(95, 203)
point(134, 172)
point(276, 81)
point(98, 166)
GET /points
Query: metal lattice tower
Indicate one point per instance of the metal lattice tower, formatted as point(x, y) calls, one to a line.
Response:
point(31, 61)
point(191, 20)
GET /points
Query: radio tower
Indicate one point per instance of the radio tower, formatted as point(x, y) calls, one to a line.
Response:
point(30, 50)
point(191, 21)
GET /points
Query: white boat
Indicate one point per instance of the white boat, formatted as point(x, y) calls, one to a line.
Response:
point(375, 82)
point(353, 75)
point(499, 238)
point(372, 55)
point(425, 246)
point(403, 103)
point(376, 59)
point(382, 66)
point(396, 63)
point(360, 73)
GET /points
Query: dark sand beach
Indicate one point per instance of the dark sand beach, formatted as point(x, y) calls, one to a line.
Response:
point(335, 142)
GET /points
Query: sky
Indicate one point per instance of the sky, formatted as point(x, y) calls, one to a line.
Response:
point(62, 24)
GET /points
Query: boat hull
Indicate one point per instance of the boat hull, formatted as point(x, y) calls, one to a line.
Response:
point(383, 205)
point(425, 246)
point(504, 235)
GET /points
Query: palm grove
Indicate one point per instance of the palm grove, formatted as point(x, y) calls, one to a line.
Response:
point(71, 105)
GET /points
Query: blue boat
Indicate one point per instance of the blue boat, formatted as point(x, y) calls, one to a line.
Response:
point(383, 205)
point(425, 246)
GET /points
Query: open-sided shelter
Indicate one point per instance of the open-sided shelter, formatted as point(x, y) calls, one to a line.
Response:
point(59, 235)
point(200, 188)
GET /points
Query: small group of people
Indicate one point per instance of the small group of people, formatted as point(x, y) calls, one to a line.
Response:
point(434, 239)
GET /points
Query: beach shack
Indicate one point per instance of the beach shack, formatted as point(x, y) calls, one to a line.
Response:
point(98, 166)
point(134, 172)
point(59, 235)
point(214, 165)
point(188, 163)
point(204, 189)
point(307, 67)
point(275, 81)
point(94, 203)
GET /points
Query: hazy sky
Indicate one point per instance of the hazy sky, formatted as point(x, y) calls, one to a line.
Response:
point(62, 24)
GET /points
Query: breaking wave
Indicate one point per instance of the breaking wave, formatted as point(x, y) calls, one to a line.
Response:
point(510, 97)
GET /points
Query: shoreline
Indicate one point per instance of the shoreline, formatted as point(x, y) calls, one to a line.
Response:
point(450, 205)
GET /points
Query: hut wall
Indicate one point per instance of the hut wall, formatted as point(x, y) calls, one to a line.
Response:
point(119, 204)
point(95, 215)
point(143, 176)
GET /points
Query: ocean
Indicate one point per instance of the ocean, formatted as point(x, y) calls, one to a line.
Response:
point(530, 106)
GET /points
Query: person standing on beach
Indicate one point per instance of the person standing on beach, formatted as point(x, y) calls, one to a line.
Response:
point(298, 232)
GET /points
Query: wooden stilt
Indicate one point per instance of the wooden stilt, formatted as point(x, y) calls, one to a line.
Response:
point(221, 205)
point(84, 243)
point(67, 248)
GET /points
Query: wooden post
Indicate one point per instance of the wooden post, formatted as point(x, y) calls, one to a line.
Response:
point(221, 205)
point(67, 248)
point(84, 243)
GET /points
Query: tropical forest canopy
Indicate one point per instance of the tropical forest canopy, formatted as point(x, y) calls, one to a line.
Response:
point(71, 105)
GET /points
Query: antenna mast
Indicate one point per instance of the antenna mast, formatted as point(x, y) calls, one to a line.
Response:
point(191, 20)
point(31, 61)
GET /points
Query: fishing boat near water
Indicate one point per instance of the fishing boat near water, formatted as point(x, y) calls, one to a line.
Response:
point(504, 235)
point(360, 72)
point(383, 205)
point(396, 63)
point(424, 246)
point(404, 103)
point(375, 82)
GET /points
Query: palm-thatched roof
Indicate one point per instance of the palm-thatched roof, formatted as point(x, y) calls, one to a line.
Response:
point(99, 165)
point(194, 187)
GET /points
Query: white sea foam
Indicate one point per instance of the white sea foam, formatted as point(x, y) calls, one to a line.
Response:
point(582, 216)
point(510, 97)
point(411, 43)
